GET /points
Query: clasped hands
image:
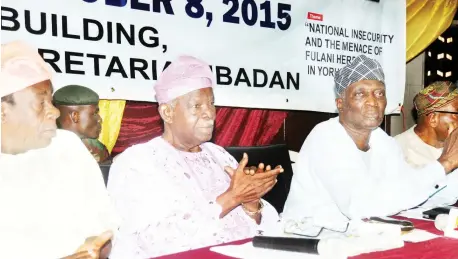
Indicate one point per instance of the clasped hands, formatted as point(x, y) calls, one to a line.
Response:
point(249, 184)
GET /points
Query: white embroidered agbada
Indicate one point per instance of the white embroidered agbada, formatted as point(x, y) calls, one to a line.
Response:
point(418, 154)
point(334, 181)
point(51, 200)
point(166, 198)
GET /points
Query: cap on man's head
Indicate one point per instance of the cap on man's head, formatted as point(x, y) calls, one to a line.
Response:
point(75, 95)
point(22, 67)
point(182, 76)
point(361, 68)
point(435, 96)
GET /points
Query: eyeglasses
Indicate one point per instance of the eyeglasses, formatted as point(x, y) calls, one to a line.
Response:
point(445, 112)
point(306, 228)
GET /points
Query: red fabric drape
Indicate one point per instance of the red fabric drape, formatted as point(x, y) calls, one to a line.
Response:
point(140, 123)
point(234, 126)
point(246, 127)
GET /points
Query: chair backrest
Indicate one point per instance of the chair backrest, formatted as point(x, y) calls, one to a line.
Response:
point(272, 155)
point(105, 168)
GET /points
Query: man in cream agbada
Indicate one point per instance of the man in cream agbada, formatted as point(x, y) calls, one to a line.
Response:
point(52, 197)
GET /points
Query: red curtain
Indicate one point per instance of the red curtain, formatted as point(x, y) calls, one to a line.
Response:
point(234, 126)
point(140, 123)
point(247, 127)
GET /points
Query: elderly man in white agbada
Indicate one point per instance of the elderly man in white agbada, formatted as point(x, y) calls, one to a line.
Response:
point(349, 168)
point(437, 110)
point(52, 197)
point(173, 192)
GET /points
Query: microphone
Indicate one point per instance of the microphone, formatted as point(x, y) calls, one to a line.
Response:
point(302, 245)
point(441, 221)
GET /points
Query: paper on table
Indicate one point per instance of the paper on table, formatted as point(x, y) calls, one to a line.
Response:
point(248, 251)
point(418, 235)
point(365, 238)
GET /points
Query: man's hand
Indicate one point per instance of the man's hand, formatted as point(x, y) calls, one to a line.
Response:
point(252, 170)
point(246, 188)
point(449, 157)
point(94, 247)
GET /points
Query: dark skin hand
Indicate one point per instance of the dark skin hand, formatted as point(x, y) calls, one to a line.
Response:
point(435, 127)
point(247, 189)
point(449, 157)
point(252, 170)
point(94, 247)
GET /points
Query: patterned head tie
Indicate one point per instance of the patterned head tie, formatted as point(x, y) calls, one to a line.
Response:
point(361, 68)
point(435, 96)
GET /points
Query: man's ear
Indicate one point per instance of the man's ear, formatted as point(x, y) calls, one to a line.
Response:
point(3, 113)
point(166, 112)
point(75, 116)
point(5, 109)
point(339, 104)
point(433, 119)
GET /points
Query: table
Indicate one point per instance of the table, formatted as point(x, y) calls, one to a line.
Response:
point(438, 248)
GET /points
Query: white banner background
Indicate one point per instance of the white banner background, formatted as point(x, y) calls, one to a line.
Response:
point(222, 44)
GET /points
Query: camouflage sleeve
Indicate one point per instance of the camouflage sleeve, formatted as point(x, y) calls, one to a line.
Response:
point(97, 149)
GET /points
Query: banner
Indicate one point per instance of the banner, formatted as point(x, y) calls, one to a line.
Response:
point(277, 54)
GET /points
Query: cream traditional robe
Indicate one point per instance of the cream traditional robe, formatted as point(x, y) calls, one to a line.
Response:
point(51, 200)
point(334, 181)
point(167, 200)
point(418, 154)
